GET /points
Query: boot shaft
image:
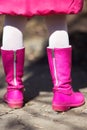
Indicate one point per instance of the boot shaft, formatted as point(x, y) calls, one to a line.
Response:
point(63, 64)
point(13, 62)
point(60, 66)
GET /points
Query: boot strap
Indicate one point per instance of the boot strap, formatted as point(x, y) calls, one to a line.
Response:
point(67, 91)
point(16, 87)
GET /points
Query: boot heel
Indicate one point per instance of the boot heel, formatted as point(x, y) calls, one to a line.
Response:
point(16, 105)
point(60, 108)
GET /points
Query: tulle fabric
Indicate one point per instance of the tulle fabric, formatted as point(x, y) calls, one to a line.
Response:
point(40, 7)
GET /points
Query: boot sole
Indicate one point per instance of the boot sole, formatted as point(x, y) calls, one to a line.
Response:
point(15, 104)
point(62, 108)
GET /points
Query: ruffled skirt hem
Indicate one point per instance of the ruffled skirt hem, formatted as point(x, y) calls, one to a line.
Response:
point(40, 7)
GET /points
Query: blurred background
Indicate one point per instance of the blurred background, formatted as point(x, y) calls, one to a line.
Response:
point(36, 40)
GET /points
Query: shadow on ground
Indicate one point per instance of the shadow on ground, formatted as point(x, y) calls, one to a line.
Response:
point(78, 41)
point(38, 78)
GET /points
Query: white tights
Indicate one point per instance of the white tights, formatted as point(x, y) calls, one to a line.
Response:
point(14, 27)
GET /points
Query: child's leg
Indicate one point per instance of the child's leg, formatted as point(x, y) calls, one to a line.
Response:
point(57, 27)
point(12, 52)
point(13, 32)
point(60, 60)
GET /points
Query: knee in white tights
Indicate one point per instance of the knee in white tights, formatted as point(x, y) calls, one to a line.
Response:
point(13, 33)
point(57, 27)
point(59, 39)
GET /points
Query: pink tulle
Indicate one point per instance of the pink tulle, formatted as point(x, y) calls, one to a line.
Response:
point(40, 7)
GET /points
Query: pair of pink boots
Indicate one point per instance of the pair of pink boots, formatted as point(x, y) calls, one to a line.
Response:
point(60, 66)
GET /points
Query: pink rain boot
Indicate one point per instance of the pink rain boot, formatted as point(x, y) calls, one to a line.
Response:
point(13, 62)
point(60, 67)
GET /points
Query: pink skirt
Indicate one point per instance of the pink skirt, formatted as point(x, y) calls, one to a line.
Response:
point(40, 7)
